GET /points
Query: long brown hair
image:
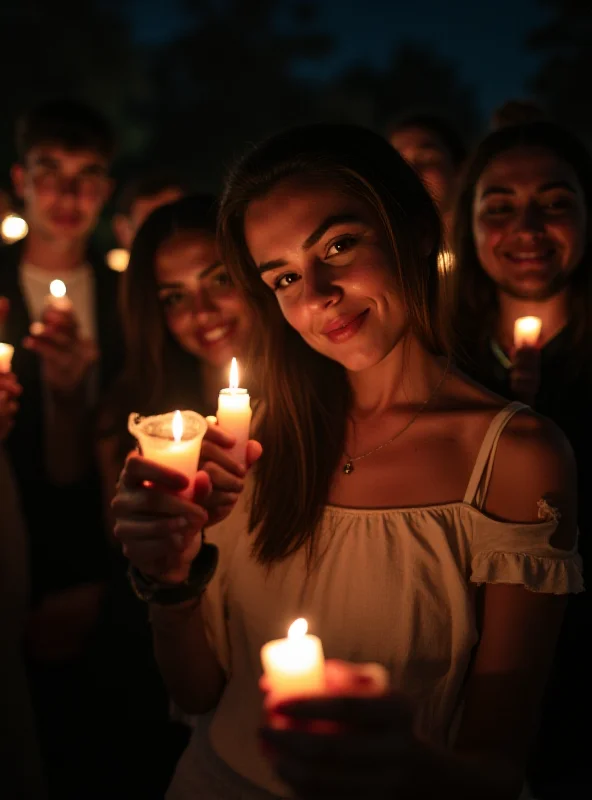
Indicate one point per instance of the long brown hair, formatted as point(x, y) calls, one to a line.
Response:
point(158, 374)
point(476, 302)
point(306, 395)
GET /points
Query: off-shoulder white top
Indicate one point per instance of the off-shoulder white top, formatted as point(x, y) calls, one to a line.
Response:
point(394, 586)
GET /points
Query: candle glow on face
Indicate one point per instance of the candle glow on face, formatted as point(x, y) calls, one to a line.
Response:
point(527, 331)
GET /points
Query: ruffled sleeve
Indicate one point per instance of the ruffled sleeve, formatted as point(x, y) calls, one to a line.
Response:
point(522, 554)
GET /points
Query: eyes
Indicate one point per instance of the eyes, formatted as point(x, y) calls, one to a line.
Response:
point(502, 209)
point(183, 299)
point(338, 251)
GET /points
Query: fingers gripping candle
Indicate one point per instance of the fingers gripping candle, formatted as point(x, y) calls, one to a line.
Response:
point(526, 332)
point(234, 414)
point(172, 440)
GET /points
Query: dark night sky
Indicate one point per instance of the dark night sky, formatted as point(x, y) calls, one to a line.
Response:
point(484, 37)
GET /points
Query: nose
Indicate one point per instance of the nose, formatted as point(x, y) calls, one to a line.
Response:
point(531, 220)
point(320, 291)
point(203, 305)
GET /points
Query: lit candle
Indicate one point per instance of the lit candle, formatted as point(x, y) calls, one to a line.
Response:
point(117, 259)
point(57, 297)
point(295, 665)
point(172, 440)
point(6, 353)
point(234, 414)
point(526, 332)
point(445, 262)
point(13, 228)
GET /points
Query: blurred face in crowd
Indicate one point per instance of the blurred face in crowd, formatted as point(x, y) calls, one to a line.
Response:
point(203, 310)
point(529, 222)
point(325, 255)
point(63, 191)
point(126, 226)
point(432, 161)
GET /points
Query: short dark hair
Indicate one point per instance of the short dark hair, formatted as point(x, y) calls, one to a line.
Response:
point(69, 123)
point(435, 123)
point(517, 112)
point(147, 184)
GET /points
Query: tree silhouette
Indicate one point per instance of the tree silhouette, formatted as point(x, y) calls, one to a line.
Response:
point(563, 81)
point(47, 50)
point(415, 78)
point(229, 80)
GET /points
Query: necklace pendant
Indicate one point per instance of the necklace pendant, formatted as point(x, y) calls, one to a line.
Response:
point(348, 468)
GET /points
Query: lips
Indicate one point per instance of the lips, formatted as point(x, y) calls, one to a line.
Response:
point(533, 256)
point(344, 327)
point(215, 334)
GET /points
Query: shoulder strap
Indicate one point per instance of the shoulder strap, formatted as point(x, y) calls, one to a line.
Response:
point(481, 475)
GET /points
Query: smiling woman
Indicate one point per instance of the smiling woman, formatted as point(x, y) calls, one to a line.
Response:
point(334, 240)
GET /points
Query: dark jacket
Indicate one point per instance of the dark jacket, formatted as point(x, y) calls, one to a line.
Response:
point(65, 524)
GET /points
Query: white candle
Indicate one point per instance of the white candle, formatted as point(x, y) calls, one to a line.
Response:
point(57, 297)
point(172, 440)
point(295, 665)
point(234, 414)
point(6, 353)
point(526, 332)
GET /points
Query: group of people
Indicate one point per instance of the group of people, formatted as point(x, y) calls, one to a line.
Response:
point(415, 484)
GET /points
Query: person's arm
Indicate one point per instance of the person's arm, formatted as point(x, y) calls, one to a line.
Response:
point(519, 627)
point(191, 672)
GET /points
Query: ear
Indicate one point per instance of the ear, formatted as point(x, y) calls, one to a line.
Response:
point(122, 230)
point(17, 175)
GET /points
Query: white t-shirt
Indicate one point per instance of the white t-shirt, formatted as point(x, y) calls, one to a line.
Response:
point(80, 286)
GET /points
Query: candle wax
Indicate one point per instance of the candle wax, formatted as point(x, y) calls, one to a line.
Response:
point(234, 416)
point(293, 666)
point(6, 353)
point(158, 442)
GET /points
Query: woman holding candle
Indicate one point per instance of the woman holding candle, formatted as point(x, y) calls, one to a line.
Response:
point(383, 510)
point(523, 242)
point(183, 323)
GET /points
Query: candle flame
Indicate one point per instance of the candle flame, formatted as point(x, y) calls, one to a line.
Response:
point(233, 382)
point(529, 325)
point(298, 629)
point(177, 426)
point(13, 228)
point(57, 288)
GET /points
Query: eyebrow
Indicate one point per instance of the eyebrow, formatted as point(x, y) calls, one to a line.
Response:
point(53, 163)
point(315, 236)
point(545, 187)
point(203, 274)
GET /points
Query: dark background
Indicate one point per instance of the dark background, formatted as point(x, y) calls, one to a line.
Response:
point(190, 82)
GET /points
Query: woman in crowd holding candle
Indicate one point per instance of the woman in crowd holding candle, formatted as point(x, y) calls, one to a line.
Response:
point(523, 247)
point(384, 510)
point(183, 323)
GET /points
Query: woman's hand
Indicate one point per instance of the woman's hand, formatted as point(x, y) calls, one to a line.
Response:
point(159, 530)
point(355, 741)
point(10, 389)
point(227, 476)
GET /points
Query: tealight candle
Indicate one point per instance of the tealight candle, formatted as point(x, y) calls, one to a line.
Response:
point(6, 353)
point(526, 332)
point(295, 665)
point(234, 414)
point(57, 297)
point(172, 440)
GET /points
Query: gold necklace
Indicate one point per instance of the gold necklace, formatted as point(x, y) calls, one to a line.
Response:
point(349, 464)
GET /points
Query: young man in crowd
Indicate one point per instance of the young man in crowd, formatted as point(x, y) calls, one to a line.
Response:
point(64, 358)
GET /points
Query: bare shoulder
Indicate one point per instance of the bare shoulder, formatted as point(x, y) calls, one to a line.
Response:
point(534, 474)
